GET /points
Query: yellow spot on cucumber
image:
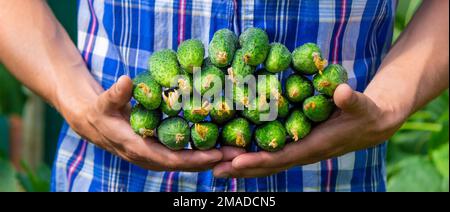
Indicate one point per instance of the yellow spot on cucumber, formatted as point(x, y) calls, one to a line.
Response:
point(319, 62)
point(201, 130)
point(273, 143)
point(240, 141)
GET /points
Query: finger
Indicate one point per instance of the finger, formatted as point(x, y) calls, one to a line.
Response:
point(149, 153)
point(117, 130)
point(349, 100)
point(183, 160)
point(226, 170)
point(126, 111)
point(313, 148)
point(193, 159)
point(117, 96)
point(223, 170)
point(122, 135)
point(262, 159)
point(229, 153)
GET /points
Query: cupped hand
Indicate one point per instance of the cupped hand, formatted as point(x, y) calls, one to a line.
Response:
point(105, 122)
point(359, 123)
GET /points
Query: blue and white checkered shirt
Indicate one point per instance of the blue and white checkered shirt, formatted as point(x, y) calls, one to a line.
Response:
point(116, 38)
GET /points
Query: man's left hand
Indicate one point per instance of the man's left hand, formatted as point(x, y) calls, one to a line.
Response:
point(359, 123)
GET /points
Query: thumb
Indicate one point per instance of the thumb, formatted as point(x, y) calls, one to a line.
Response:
point(349, 100)
point(117, 96)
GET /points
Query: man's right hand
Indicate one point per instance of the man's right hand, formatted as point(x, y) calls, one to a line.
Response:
point(105, 122)
point(42, 56)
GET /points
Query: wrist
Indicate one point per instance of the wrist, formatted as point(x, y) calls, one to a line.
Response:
point(393, 112)
point(75, 94)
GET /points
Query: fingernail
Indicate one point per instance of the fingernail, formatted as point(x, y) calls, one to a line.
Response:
point(237, 164)
point(118, 85)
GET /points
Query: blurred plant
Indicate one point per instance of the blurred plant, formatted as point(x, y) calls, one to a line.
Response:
point(35, 180)
point(8, 180)
point(418, 152)
point(405, 11)
point(417, 158)
point(28, 180)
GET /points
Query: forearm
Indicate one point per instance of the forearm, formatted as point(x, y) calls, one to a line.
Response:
point(416, 69)
point(38, 51)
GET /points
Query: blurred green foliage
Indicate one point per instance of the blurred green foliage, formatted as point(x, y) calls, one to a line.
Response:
point(12, 97)
point(405, 11)
point(417, 158)
point(27, 180)
point(34, 180)
point(418, 153)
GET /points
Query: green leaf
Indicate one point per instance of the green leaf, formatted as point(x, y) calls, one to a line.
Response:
point(415, 173)
point(438, 106)
point(406, 10)
point(35, 181)
point(397, 32)
point(404, 13)
point(395, 154)
point(440, 138)
point(422, 126)
point(8, 182)
point(440, 159)
point(422, 115)
point(414, 142)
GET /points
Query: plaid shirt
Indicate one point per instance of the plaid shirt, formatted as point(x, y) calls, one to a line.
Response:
point(116, 38)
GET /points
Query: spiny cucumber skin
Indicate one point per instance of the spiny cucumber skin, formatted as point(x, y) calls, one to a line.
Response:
point(147, 91)
point(278, 59)
point(222, 47)
point(327, 82)
point(253, 114)
point(272, 84)
point(239, 68)
point(271, 136)
point(208, 84)
point(255, 45)
point(191, 113)
point(297, 125)
point(164, 67)
point(186, 85)
point(190, 54)
point(243, 95)
point(174, 133)
point(298, 88)
point(237, 133)
point(318, 108)
point(143, 121)
point(208, 139)
point(220, 116)
point(170, 111)
point(303, 58)
point(283, 107)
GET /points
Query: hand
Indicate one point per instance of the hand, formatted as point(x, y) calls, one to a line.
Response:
point(358, 124)
point(105, 122)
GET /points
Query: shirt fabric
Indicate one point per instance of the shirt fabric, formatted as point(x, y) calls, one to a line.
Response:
point(117, 37)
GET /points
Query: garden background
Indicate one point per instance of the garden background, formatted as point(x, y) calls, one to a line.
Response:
point(417, 158)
